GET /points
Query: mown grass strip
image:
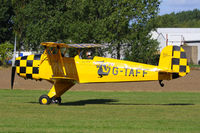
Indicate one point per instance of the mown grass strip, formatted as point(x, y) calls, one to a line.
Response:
point(97, 112)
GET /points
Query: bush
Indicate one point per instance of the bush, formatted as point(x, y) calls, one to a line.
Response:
point(6, 52)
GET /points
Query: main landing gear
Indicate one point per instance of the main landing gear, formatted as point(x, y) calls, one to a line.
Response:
point(54, 96)
point(45, 100)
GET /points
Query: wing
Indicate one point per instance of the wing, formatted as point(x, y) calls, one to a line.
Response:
point(84, 45)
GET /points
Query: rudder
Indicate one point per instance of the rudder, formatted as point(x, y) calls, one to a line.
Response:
point(173, 58)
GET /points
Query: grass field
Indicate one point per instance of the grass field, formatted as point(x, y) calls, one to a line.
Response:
point(194, 66)
point(101, 112)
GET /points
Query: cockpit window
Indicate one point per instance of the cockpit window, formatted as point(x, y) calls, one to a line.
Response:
point(64, 52)
point(72, 52)
point(52, 50)
point(87, 54)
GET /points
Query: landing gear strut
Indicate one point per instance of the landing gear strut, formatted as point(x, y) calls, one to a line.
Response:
point(54, 96)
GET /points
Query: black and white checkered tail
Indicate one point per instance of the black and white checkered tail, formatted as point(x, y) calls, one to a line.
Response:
point(173, 58)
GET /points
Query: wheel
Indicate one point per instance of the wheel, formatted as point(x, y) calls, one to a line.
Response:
point(44, 99)
point(59, 100)
point(56, 100)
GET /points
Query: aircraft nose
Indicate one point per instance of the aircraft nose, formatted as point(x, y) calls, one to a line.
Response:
point(28, 66)
point(17, 61)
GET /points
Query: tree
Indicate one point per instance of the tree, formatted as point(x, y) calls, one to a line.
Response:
point(44, 21)
point(140, 47)
point(115, 23)
point(112, 22)
point(143, 49)
point(20, 22)
point(6, 13)
point(100, 22)
point(184, 19)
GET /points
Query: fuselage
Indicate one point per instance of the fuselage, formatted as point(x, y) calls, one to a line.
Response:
point(112, 70)
point(98, 69)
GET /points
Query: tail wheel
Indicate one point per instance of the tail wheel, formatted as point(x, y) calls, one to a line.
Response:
point(44, 99)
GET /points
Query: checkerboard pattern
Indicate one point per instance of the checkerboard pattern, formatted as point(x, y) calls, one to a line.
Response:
point(28, 66)
point(179, 61)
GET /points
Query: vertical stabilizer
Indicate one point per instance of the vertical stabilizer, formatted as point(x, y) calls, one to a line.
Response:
point(173, 58)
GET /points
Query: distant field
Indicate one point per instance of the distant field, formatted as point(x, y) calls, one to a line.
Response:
point(192, 66)
point(101, 112)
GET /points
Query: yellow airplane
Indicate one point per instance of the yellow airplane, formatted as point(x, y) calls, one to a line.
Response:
point(63, 72)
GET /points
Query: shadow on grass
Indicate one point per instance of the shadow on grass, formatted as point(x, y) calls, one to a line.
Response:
point(89, 101)
point(170, 104)
point(114, 102)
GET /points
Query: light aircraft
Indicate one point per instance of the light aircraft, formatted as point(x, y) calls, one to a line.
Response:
point(63, 72)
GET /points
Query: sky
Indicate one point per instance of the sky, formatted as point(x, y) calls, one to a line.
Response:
point(169, 6)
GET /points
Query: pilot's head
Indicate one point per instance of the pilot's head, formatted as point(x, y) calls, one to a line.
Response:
point(89, 54)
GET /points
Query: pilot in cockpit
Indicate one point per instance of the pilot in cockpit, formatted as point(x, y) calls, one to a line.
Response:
point(89, 55)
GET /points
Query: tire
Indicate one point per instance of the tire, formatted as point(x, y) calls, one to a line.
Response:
point(44, 100)
point(56, 100)
point(59, 100)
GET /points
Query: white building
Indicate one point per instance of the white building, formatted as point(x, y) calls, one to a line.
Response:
point(178, 36)
point(24, 53)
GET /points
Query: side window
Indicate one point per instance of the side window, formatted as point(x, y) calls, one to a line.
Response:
point(64, 52)
point(55, 50)
point(48, 51)
point(72, 52)
point(86, 54)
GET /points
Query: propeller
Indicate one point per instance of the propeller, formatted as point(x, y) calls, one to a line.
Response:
point(13, 65)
